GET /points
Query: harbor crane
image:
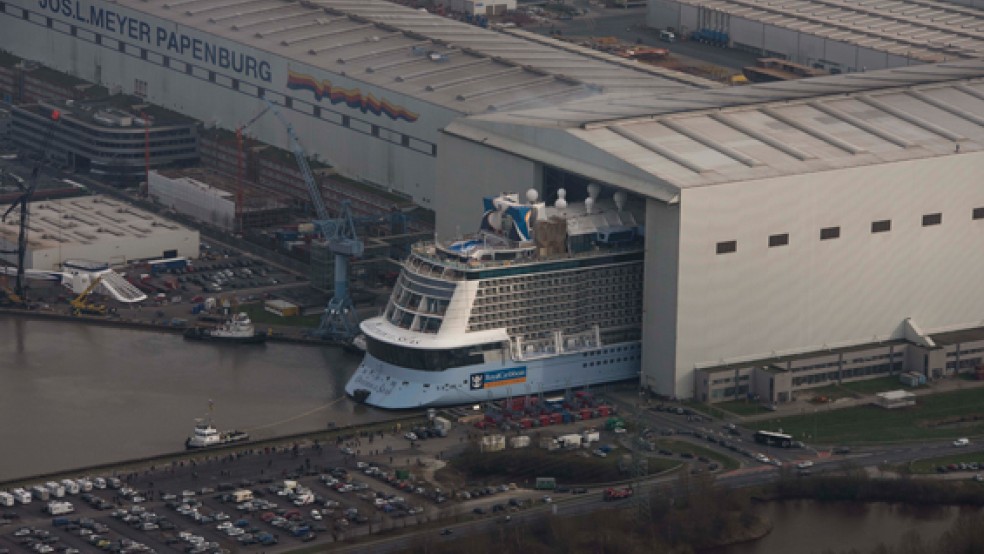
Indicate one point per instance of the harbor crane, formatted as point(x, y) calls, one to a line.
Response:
point(19, 295)
point(338, 322)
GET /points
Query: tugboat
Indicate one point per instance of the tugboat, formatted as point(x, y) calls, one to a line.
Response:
point(238, 329)
point(206, 435)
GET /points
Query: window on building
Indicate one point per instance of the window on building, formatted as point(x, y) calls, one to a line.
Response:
point(727, 247)
point(978, 213)
point(932, 219)
point(140, 88)
point(882, 226)
point(778, 240)
point(828, 233)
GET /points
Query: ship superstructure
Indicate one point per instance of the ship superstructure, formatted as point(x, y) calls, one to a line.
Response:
point(541, 298)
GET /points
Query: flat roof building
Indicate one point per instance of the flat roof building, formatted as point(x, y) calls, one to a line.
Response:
point(113, 139)
point(95, 228)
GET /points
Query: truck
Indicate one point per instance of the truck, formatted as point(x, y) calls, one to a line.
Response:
point(39, 492)
point(71, 487)
point(21, 496)
point(614, 493)
point(590, 435)
point(242, 495)
point(59, 508)
point(442, 425)
point(570, 441)
point(546, 483)
point(56, 489)
point(6, 499)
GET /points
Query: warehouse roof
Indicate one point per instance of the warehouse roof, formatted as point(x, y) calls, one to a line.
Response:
point(920, 29)
point(84, 220)
point(656, 146)
point(433, 58)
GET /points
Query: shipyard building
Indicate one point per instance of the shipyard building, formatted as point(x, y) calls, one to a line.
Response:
point(839, 37)
point(796, 233)
point(94, 228)
point(366, 84)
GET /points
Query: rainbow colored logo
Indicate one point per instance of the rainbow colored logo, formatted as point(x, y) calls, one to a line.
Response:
point(352, 98)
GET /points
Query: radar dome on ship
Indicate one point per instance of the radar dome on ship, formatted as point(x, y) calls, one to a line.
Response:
point(561, 200)
point(620, 197)
point(532, 195)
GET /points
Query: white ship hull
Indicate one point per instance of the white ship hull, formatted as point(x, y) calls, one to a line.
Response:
point(394, 387)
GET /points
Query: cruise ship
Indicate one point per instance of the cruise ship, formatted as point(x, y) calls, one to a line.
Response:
point(542, 298)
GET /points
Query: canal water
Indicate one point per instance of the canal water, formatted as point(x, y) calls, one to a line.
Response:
point(810, 527)
point(73, 395)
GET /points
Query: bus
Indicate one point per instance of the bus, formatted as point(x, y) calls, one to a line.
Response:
point(771, 438)
point(167, 265)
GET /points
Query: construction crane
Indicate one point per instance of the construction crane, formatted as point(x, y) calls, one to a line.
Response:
point(81, 305)
point(338, 322)
point(19, 295)
point(239, 167)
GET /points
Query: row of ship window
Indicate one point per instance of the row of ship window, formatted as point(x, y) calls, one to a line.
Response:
point(612, 361)
point(830, 233)
point(608, 277)
point(618, 302)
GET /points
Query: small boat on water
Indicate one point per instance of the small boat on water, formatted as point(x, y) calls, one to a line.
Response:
point(356, 346)
point(206, 435)
point(238, 329)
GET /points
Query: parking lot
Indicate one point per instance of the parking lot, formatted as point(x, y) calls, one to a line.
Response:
point(271, 499)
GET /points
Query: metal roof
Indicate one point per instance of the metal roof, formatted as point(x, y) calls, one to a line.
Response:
point(425, 56)
point(753, 132)
point(85, 220)
point(919, 29)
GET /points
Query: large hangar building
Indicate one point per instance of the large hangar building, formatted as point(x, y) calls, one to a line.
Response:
point(367, 84)
point(832, 219)
point(841, 37)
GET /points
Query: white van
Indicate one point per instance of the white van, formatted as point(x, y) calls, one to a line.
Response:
point(99, 483)
point(961, 442)
point(667, 36)
point(6, 499)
